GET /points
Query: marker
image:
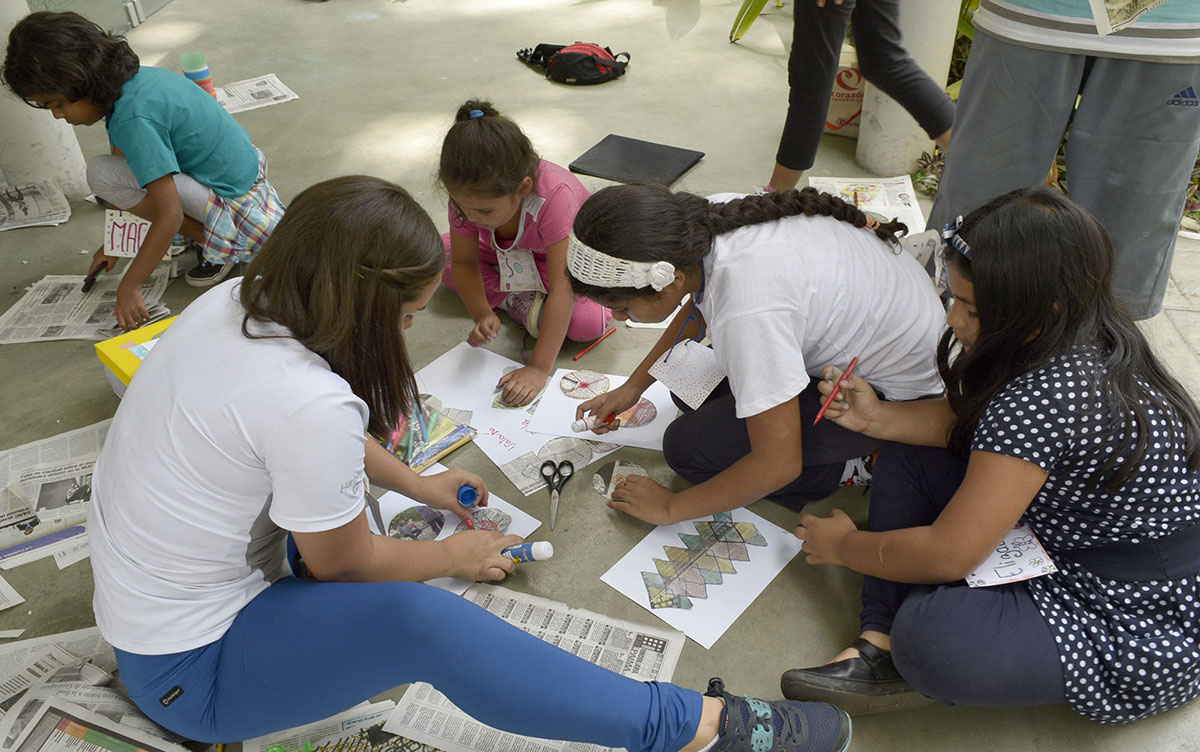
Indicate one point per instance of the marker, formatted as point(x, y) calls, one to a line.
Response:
point(585, 350)
point(396, 436)
point(90, 280)
point(836, 388)
point(590, 422)
point(529, 551)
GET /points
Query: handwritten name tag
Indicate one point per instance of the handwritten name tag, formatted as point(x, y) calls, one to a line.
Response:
point(1020, 556)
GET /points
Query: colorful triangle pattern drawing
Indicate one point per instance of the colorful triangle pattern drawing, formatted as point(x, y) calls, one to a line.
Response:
point(704, 560)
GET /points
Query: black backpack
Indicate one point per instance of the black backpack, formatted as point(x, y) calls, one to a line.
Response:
point(579, 63)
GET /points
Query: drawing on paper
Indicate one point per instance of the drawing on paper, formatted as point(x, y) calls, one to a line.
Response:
point(417, 523)
point(486, 518)
point(640, 414)
point(686, 574)
point(562, 448)
point(583, 385)
point(610, 474)
point(500, 404)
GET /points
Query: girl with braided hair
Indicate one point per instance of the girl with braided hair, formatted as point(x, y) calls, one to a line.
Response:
point(783, 284)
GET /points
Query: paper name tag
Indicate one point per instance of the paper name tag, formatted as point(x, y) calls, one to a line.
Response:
point(690, 370)
point(1020, 556)
point(123, 233)
point(518, 271)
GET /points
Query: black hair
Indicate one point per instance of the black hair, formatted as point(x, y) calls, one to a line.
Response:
point(485, 153)
point(647, 222)
point(1042, 269)
point(66, 54)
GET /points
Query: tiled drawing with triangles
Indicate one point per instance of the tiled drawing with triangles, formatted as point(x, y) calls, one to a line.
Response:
point(706, 558)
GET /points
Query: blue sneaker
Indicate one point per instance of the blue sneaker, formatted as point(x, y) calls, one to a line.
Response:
point(749, 725)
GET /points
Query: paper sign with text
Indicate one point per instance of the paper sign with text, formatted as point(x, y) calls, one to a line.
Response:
point(1020, 556)
point(123, 233)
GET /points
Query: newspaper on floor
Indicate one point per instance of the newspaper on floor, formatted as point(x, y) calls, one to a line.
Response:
point(27, 662)
point(56, 308)
point(1114, 15)
point(254, 93)
point(634, 650)
point(883, 198)
point(33, 204)
point(9, 596)
point(45, 485)
point(359, 729)
point(62, 726)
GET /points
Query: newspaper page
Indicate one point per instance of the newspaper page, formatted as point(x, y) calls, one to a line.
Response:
point(359, 729)
point(61, 726)
point(1114, 15)
point(884, 199)
point(635, 650)
point(254, 93)
point(56, 308)
point(45, 484)
point(33, 204)
point(44, 662)
point(9, 596)
point(98, 693)
point(81, 645)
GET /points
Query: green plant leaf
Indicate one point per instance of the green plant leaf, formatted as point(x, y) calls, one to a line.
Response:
point(747, 14)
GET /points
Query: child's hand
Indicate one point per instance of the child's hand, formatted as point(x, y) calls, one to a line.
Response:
point(485, 330)
point(441, 491)
point(102, 261)
point(610, 403)
point(522, 385)
point(475, 554)
point(131, 309)
point(646, 499)
point(856, 407)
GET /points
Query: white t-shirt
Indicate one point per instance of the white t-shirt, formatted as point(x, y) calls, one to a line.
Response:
point(784, 299)
point(220, 445)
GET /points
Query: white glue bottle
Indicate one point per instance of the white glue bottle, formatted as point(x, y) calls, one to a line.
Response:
point(529, 551)
point(591, 422)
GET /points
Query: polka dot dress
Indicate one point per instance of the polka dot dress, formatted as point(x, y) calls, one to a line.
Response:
point(1129, 650)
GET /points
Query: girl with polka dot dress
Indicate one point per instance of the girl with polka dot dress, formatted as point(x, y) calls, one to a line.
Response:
point(1056, 416)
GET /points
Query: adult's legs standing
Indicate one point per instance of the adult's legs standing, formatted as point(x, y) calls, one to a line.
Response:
point(1130, 155)
point(885, 63)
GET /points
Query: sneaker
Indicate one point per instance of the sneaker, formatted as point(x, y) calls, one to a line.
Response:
point(749, 725)
point(205, 273)
point(858, 471)
point(179, 245)
point(525, 308)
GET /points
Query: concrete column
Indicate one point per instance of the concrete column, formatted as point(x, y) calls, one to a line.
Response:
point(889, 139)
point(33, 145)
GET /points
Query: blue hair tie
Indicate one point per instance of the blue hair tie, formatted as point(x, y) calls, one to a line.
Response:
point(475, 114)
point(950, 235)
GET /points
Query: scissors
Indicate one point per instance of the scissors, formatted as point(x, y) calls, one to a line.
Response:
point(556, 476)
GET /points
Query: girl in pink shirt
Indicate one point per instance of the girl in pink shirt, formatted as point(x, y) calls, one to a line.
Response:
point(510, 215)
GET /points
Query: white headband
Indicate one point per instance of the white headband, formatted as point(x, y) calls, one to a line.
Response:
point(594, 267)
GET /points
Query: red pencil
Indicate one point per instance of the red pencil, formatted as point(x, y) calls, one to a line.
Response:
point(584, 351)
point(836, 388)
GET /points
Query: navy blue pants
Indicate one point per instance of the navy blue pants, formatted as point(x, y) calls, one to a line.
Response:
point(701, 443)
point(304, 650)
point(960, 645)
point(813, 63)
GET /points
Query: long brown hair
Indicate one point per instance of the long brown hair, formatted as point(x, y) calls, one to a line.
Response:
point(346, 256)
point(485, 153)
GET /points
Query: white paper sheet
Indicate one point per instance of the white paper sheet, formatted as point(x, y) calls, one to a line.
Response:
point(9, 597)
point(556, 412)
point(392, 503)
point(714, 606)
point(889, 198)
point(465, 379)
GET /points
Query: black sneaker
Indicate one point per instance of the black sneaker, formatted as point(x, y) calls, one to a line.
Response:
point(749, 725)
point(205, 273)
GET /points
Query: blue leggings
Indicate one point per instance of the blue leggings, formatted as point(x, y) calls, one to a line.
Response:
point(304, 650)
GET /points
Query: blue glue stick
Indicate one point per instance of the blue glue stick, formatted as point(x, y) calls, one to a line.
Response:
point(529, 551)
point(467, 496)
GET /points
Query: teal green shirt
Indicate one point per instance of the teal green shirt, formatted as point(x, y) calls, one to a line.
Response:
point(165, 124)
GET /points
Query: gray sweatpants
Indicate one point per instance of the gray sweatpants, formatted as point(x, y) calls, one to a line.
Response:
point(1129, 155)
point(110, 178)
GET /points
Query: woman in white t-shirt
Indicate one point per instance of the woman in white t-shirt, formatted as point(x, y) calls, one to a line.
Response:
point(250, 421)
point(783, 284)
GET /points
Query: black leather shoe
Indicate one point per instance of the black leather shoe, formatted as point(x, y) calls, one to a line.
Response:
point(860, 686)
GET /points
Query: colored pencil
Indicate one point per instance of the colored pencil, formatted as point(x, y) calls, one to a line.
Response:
point(585, 350)
point(836, 388)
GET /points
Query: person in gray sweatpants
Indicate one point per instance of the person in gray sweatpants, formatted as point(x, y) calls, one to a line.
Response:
point(1132, 142)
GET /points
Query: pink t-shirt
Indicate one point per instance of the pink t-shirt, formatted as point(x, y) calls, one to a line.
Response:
point(546, 214)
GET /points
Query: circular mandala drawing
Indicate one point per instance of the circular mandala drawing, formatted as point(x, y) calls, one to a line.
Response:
point(584, 384)
point(639, 415)
point(486, 518)
point(417, 523)
point(565, 448)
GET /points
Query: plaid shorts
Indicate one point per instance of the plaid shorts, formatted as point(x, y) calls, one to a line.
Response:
point(235, 228)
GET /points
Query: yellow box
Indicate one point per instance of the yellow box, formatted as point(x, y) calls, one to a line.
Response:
point(121, 355)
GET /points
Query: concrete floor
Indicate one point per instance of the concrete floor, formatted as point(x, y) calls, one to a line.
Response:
point(379, 82)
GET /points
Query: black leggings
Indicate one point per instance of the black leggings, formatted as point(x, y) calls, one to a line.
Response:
point(816, 46)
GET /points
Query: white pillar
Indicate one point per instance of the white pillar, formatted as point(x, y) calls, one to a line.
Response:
point(33, 145)
point(889, 139)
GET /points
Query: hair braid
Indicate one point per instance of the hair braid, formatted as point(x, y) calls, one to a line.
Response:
point(768, 207)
